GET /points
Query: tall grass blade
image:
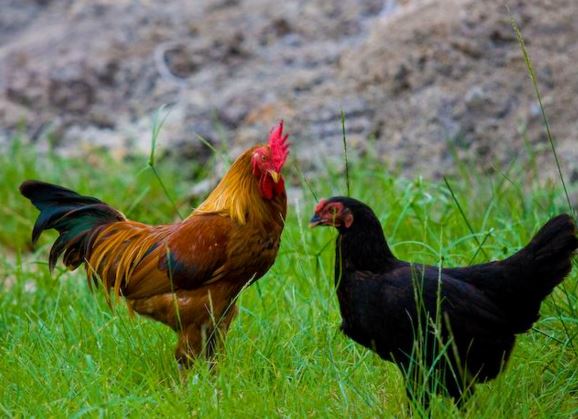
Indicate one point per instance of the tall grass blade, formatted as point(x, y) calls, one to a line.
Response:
point(534, 79)
point(463, 214)
point(345, 154)
point(306, 181)
point(211, 147)
point(158, 122)
point(486, 237)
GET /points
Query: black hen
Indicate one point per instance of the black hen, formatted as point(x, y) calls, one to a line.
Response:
point(391, 306)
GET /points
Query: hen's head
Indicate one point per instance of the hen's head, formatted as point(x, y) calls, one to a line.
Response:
point(342, 213)
point(332, 212)
point(267, 162)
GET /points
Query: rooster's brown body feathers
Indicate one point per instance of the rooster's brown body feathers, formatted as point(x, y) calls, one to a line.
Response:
point(186, 275)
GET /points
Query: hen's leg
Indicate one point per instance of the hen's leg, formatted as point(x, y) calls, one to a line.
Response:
point(418, 399)
point(460, 392)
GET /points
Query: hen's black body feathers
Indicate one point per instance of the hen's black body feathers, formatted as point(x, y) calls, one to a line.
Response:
point(388, 305)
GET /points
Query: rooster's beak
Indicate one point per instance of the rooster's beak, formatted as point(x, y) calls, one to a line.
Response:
point(315, 221)
point(274, 175)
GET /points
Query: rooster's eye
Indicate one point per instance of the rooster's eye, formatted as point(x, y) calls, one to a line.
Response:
point(263, 157)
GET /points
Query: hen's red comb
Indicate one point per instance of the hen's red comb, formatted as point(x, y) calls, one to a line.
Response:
point(320, 205)
point(279, 147)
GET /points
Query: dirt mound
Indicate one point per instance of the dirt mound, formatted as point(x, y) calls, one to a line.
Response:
point(423, 82)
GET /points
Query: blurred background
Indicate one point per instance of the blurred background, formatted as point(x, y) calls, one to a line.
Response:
point(423, 83)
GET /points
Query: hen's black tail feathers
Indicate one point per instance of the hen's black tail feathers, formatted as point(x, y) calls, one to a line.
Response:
point(549, 253)
point(519, 284)
point(74, 216)
point(542, 265)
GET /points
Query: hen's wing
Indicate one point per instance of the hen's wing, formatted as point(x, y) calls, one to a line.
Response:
point(140, 261)
point(458, 299)
point(480, 329)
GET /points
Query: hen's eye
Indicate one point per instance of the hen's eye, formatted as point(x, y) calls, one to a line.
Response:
point(263, 157)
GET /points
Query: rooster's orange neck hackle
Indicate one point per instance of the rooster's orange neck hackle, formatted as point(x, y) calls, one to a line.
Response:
point(239, 196)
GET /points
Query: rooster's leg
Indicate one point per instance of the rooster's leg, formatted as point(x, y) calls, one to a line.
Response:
point(192, 339)
point(160, 307)
point(190, 321)
point(196, 340)
point(201, 323)
point(217, 337)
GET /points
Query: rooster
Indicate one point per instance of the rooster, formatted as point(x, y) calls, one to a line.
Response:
point(186, 275)
point(393, 307)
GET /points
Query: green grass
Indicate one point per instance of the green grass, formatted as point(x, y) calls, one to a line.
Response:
point(65, 353)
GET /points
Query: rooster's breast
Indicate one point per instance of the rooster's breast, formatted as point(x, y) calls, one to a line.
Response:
point(253, 251)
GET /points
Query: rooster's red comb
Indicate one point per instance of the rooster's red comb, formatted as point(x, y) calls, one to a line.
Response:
point(279, 147)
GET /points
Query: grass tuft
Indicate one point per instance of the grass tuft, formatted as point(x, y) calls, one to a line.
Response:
point(65, 353)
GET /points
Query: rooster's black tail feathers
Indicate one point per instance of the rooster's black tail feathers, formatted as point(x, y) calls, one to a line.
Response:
point(74, 216)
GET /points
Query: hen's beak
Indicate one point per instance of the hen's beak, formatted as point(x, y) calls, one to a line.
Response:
point(315, 221)
point(274, 175)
